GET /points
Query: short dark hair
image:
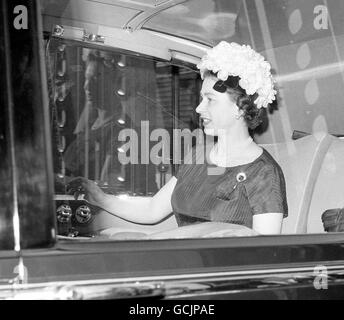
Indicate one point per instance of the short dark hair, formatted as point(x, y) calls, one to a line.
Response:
point(245, 102)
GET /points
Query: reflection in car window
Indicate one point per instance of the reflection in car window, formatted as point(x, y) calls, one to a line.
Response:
point(95, 96)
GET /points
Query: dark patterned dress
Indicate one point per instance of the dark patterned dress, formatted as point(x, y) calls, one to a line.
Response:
point(205, 192)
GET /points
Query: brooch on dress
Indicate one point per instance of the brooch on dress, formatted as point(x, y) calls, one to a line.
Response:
point(241, 177)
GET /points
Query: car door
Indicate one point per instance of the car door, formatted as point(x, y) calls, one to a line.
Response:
point(63, 118)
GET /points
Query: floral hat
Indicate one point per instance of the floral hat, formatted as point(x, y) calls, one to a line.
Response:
point(231, 59)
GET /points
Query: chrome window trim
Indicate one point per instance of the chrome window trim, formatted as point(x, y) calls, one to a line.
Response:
point(177, 286)
point(149, 43)
point(140, 19)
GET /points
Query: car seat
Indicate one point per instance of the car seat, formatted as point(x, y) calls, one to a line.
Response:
point(312, 166)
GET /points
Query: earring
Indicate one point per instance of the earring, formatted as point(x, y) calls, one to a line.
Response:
point(238, 117)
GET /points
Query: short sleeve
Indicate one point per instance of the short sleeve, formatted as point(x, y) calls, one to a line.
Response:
point(267, 191)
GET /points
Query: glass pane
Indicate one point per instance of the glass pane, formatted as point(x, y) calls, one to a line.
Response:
point(104, 108)
point(98, 94)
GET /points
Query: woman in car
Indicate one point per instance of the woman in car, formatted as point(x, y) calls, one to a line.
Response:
point(239, 183)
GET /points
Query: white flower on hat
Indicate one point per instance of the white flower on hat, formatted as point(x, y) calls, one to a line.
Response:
point(231, 59)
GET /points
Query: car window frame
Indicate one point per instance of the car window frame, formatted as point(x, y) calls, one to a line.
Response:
point(189, 65)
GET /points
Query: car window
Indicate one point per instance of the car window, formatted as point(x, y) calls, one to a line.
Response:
point(127, 120)
point(104, 101)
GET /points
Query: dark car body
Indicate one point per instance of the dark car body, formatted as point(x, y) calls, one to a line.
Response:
point(39, 261)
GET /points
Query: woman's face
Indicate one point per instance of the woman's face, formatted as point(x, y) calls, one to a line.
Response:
point(217, 110)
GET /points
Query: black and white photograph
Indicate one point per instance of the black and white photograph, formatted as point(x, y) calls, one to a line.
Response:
point(168, 154)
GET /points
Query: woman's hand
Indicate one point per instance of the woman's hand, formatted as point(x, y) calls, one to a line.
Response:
point(93, 194)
